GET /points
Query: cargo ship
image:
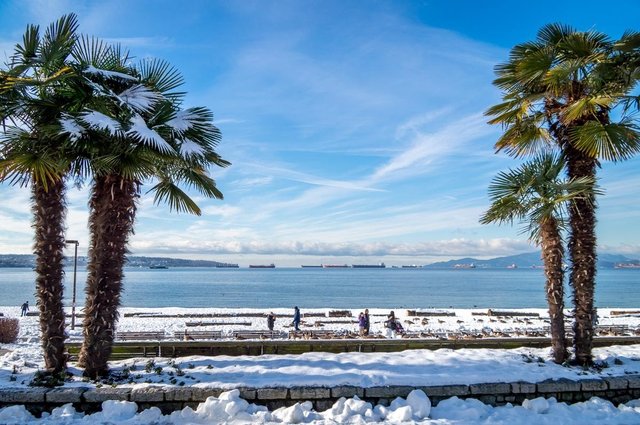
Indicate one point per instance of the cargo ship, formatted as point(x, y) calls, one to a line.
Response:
point(464, 266)
point(262, 266)
point(627, 266)
point(158, 266)
point(369, 266)
point(335, 266)
point(311, 267)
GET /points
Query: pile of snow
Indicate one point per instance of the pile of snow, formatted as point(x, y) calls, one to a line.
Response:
point(229, 408)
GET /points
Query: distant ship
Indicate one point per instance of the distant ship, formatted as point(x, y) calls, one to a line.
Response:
point(262, 266)
point(512, 266)
point(412, 266)
point(627, 266)
point(335, 266)
point(158, 266)
point(227, 266)
point(311, 267)
point(369, 266)
point(464, 266)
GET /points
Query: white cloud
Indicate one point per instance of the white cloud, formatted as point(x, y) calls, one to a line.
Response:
point(444, 248)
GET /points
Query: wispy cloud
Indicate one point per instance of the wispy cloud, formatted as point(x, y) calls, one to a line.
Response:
point(429, 148)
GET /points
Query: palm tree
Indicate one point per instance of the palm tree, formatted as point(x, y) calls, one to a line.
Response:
point(563, 89)
point(33, 94)
point(136, 132)
point(535, 194)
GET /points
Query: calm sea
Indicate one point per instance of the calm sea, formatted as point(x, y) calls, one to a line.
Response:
point(339, 288)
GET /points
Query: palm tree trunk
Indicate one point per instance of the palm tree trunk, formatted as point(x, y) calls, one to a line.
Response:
point(552, 255)
point(49, 211)
point(582, 248)
point(113, 208)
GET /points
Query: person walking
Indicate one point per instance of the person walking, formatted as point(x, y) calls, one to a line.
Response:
point(390, 324)
point(296, 318)
point(367, 322)
point(361, 324)
point(271, 320)
point(24, 308)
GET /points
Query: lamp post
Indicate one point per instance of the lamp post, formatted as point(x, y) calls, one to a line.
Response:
point(75, 268)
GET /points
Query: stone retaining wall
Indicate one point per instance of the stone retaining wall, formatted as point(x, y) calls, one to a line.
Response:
point(168, 399)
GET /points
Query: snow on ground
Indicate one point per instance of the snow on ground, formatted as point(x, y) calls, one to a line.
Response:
point(415, 367)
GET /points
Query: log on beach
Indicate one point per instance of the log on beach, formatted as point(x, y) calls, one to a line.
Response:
point(431, 313)
point(624, 312)
point(491, 312)
point(193, 324)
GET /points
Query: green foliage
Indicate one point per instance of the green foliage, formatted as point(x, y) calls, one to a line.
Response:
point(49, 380)
point(534, 193)
point(567, 81)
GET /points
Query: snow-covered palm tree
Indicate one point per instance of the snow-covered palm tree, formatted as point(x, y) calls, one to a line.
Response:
point(135, 132)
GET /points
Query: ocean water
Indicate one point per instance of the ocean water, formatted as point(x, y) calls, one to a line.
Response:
point(336, 288)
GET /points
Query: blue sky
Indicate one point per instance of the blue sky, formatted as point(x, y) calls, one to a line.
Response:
point(355, 128)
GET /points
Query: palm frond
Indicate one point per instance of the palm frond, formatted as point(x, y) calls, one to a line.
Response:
point(612, 142)
point(504, 210)
point(554, 33)
point(167, 192)
point(27, 51)
point(141, 133)
point(200, 181)
point(586, 107)
point(525, 137)
point(589, 46)
point(57, 43)
point(160, 75)
point(96, 52)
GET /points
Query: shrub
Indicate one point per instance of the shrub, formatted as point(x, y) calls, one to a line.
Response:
point(49, 380)
point(8, 330)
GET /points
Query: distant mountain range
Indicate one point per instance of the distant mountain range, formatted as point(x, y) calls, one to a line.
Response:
point(15, 260)
point(527, 260)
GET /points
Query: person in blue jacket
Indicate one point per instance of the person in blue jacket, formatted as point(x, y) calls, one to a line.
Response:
point(296, 318)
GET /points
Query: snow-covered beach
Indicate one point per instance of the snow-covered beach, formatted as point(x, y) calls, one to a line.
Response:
point(410, 368)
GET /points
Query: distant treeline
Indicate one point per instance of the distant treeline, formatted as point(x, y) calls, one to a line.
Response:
point(27, 260)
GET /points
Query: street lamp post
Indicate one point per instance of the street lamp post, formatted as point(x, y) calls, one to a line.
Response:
point(75, 268)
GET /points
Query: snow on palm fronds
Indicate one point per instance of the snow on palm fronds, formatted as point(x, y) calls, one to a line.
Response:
point(99, 121)
point(190, 148)
point(199, 119)
point(140, 98)
point(140, 132)
point(71, 127)
point(184, 120)
point(109, 74)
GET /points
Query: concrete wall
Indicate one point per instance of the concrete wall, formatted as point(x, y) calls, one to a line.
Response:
point(88, 399)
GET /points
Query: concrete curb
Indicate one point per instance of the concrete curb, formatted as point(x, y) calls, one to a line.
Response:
point(89, 399)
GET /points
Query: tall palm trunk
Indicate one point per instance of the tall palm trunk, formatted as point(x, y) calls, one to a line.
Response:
point(552, 255)
point(49, 212)
point(113, 207)
point(582, 248)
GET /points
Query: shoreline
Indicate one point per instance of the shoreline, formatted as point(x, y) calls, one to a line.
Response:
point(174, 320)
